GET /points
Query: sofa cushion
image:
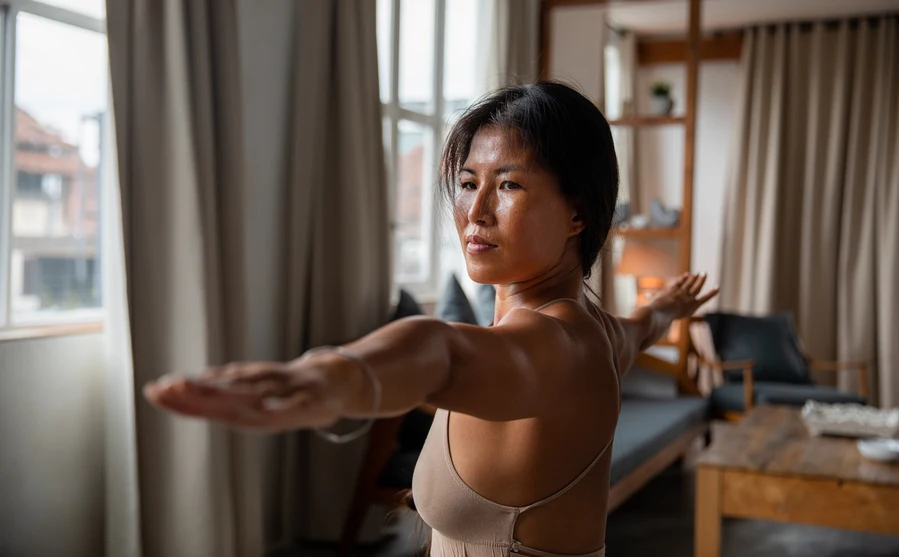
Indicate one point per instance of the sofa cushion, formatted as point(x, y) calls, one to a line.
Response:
point(729, 397)
point(646, 426)
point(644, 383)
point(454, 306)
point(770, 341)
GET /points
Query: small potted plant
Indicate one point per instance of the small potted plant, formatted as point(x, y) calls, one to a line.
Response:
point(662, 103)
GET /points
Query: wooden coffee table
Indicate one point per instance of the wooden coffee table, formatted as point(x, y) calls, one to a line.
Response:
point(768, 467)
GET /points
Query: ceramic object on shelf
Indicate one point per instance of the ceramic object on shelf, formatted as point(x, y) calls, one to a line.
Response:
point(850, 420)
point(639, 221)
point(879, 449)
point(662, 105)
point(663, 217)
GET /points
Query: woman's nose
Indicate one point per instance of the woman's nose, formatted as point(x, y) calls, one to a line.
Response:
point(481, 210)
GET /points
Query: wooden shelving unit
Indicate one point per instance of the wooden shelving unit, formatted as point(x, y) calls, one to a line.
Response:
point(690, 52)
point(641, 121)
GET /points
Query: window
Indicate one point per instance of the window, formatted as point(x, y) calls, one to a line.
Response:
point(429, 71)
point(53, 144)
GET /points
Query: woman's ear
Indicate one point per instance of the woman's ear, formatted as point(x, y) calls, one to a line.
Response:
point(577, 225)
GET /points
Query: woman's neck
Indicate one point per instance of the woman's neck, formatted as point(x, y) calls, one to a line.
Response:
point(564, 281)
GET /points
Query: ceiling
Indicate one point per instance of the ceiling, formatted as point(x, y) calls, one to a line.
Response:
point(669, 17)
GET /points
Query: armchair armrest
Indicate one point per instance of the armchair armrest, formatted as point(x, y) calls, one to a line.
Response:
point(736, 365)
point(861, 367)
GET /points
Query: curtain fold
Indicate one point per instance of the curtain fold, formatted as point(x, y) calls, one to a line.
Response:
point(338, 254)
point(175, 92)
point(180, 487)
point(813, 200)
point(514, 42)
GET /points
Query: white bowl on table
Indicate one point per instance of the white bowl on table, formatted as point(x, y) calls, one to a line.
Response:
point(880, 449)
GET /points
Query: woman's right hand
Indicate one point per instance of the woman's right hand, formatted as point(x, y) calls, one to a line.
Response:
point(261, 396)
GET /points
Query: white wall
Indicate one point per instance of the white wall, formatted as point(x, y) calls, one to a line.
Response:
point(51, 447)
point(575, 54)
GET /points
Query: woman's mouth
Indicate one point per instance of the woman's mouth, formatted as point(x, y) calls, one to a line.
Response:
point(476, 244)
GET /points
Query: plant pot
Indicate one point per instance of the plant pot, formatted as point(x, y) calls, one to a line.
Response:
point(662, 105)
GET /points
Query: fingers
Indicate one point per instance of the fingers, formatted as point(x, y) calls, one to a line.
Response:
point(680, 281)
point(696, 283)
point(708, 296)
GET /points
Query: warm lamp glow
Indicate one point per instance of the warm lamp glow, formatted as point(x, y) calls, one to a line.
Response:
point(649, 258)
point(651, 262)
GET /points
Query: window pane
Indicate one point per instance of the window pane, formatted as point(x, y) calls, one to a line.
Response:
point(414, 165)
point(93, 8)
point(60, 98)
point(462, 68)
point(385, 16)
point(417, 22)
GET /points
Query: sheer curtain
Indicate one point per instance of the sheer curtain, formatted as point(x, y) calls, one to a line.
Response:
point(812, 214)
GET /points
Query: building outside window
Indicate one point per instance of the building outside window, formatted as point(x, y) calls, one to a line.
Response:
point(53, 113)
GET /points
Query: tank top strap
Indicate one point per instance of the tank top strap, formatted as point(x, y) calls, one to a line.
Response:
point(572, 483)
point(556, 301)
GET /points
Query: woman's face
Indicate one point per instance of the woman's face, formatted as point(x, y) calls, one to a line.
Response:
point(510, 214)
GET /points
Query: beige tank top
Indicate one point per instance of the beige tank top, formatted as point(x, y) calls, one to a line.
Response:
point(464, 523)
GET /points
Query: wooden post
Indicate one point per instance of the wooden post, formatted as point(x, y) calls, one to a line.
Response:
point(707, 527)
point(686, 225)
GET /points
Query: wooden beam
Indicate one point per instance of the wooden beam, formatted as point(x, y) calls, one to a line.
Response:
point(721, 47)
point(545, 25)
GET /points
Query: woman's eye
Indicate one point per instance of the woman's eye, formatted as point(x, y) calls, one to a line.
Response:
point(467, 186)
point(509, 186)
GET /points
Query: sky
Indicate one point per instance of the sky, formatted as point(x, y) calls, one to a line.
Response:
point(62, 75)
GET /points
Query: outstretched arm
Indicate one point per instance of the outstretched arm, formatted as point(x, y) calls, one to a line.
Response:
point(649, 323)
point(500, 373)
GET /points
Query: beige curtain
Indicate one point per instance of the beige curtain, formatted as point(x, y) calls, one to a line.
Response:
point(338, 254)
point(178, 487)
point(175, 84)
point(513, 27)
point(812, 214)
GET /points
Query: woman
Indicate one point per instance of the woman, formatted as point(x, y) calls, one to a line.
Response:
point(518, 459)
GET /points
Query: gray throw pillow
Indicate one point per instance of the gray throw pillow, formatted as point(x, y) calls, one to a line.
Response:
point(485, 304)
point(454, 306)
point(406, 307)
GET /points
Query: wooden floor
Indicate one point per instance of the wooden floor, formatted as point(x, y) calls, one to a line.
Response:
point(658, 521)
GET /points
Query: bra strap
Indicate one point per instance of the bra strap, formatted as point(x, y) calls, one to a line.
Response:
point(557, 300)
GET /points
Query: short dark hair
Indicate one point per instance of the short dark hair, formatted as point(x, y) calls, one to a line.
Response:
point(569, 137)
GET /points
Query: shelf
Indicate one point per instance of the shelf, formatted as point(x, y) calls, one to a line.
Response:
point(648, 232)
point(638, 121)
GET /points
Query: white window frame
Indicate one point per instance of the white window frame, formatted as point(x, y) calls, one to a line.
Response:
point(392, 113)
point(8, 11)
